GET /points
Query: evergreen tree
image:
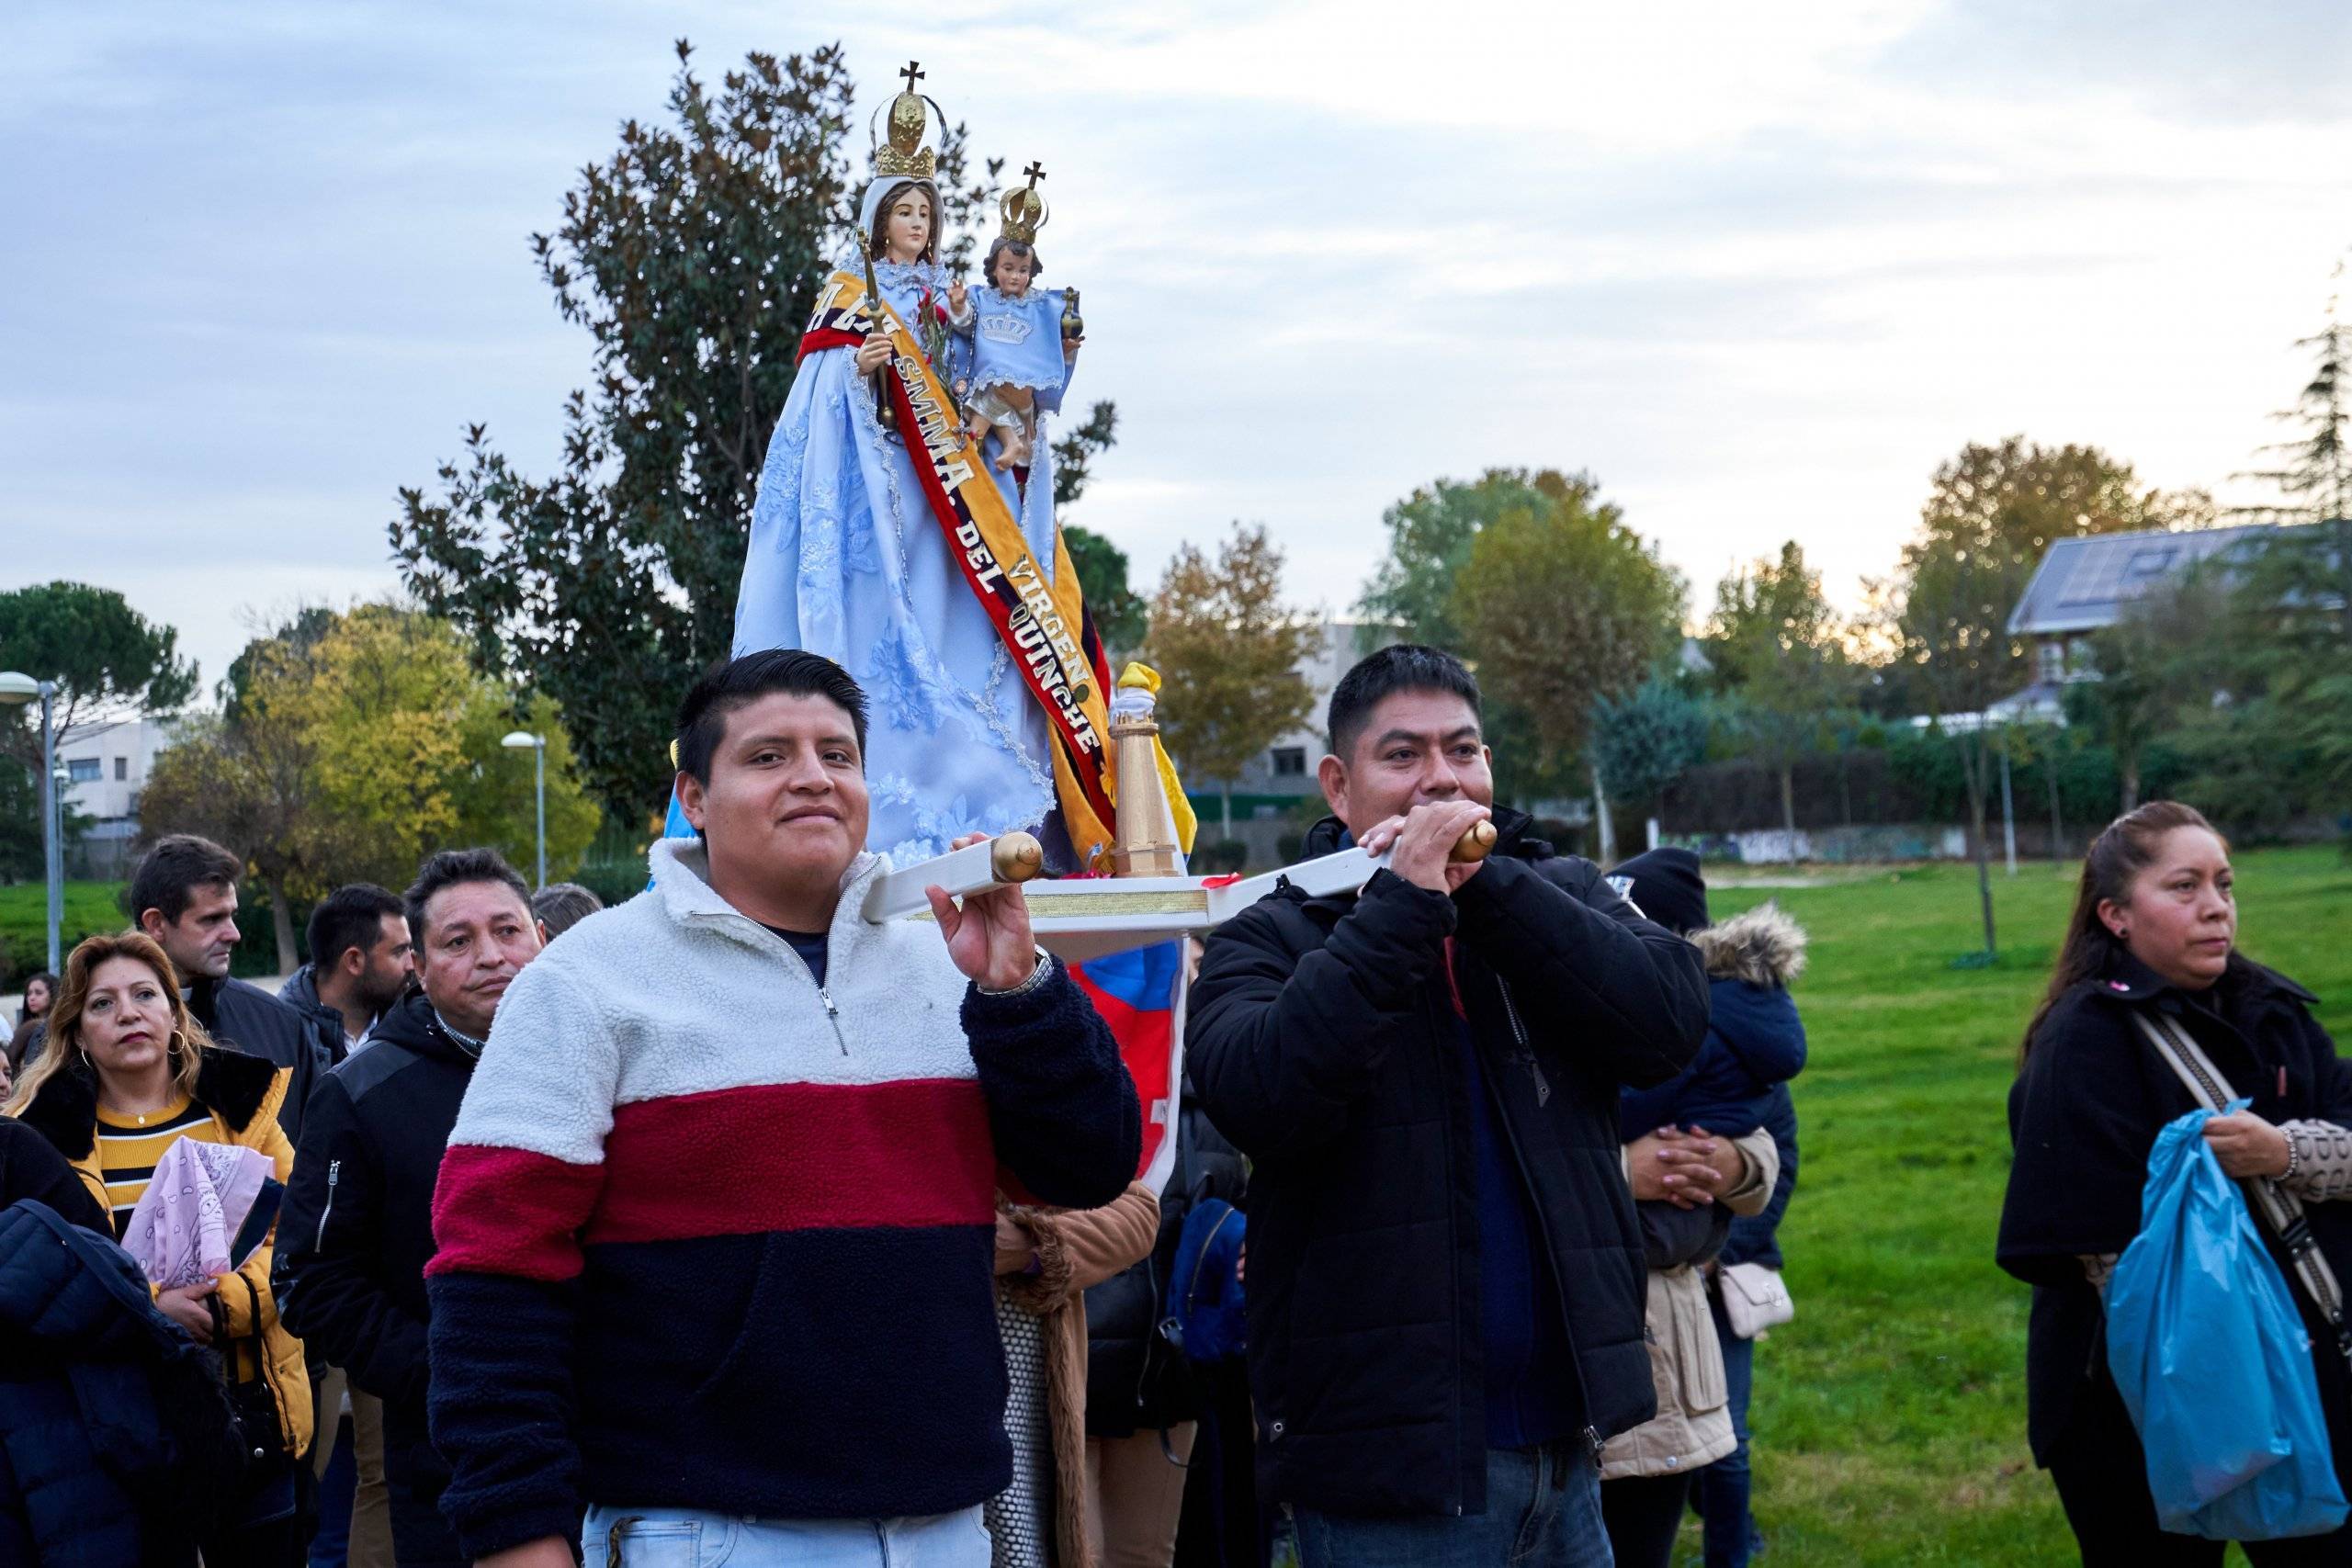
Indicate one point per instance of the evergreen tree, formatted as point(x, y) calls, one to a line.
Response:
point(692, 256)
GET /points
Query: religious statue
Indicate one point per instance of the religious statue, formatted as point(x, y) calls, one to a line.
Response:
point(884, 539)
point(1020, 349)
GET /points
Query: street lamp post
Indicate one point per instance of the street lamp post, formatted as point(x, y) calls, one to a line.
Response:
point(14, 690)
point(518, 741)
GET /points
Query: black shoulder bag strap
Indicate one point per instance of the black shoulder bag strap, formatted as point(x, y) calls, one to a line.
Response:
point(2280, 1210)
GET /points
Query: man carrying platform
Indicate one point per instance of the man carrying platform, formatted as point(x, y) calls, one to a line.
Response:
point(715, 1224)
point(1445, 1278)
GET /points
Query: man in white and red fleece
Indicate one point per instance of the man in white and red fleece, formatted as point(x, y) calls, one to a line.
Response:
point(715, 1225)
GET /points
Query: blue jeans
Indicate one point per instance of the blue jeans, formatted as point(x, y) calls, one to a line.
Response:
point(331, 1547)
point(1543, 1511)
point(687, 1537)
point(1721, 1494)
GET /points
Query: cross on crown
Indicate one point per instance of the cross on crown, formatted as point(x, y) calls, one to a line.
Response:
point(906, 154)
point(1025, 210)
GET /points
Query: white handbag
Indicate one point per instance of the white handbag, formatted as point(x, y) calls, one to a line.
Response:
point(1755, 1298)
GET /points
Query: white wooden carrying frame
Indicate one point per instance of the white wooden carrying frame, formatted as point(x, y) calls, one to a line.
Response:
point(1087, 917)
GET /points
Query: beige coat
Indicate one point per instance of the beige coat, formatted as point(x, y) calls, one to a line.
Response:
point(1692, 1426)
point(1077, 1248)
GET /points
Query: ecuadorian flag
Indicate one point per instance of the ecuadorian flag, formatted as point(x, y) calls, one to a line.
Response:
point(1140, 994)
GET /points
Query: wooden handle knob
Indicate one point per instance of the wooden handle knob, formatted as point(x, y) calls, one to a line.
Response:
point(1474, 844)
point(1016, 857)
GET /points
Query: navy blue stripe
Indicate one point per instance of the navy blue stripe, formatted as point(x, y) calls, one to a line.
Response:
point(809, 1374)
point(109, 1131)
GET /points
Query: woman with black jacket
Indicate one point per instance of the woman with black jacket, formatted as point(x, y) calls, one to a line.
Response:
point(2154, 933)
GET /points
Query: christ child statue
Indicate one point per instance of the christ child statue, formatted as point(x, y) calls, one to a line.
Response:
point(1018, 350)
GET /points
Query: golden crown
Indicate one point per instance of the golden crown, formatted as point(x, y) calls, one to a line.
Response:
point(906, 155)
point(1025, 210)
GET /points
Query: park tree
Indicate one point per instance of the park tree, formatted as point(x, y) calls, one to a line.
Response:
point(1075, 451)
point(1645, 741)
point(246, 777)
point(1431, 533)
point(1119, 610)
point(1562, 605)
point(2290, 658)
point(352, 746)
point(1991, 515)
point(106, 657)
point(692, 256)
point(2312, 471)
point(1409, 599)
point(2158, 656)
point(1778, 652)
point(20, 838)
point(1120, 613)
point(23, 847)
point(1229, 649)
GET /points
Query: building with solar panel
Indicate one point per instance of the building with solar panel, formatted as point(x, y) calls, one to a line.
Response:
point(2085, 584)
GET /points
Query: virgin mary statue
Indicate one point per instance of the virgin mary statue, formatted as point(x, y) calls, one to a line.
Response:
point(884, 539)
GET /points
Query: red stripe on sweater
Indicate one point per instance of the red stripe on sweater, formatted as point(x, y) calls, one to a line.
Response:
point(727, 1161)
point(510, 1212)
point(798, 1156)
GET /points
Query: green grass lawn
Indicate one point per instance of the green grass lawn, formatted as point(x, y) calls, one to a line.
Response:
point(24, 924)
point(1890, 1417)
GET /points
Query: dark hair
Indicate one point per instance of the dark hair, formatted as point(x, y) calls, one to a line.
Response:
point(352, 916)
point(174, 867)
point(563, 906)
point(876, 245)
point(2124, 849)
point(40, 977)
point(1401, 667)
point(451, 868)
point(702, 717)
point(1005, 242)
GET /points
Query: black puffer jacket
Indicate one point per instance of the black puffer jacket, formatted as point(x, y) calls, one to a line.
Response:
point(246, 1018)
point(300, 992)
point(2084, 1113)
point(116, 1437)
point(356, 1234)
point(1324, 1045)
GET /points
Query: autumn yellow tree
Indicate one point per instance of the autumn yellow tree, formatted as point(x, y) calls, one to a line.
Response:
point(350, 746)
point(1229, 649)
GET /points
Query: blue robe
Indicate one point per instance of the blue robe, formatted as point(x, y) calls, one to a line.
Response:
point(846, 560)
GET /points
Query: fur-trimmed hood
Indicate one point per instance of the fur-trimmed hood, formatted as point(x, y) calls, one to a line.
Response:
point(229, 1084)
point(1763, 947)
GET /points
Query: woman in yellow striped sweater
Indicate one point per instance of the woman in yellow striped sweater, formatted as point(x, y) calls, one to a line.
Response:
point(127, 1074)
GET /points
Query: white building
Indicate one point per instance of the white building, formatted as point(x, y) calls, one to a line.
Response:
point(107, 762)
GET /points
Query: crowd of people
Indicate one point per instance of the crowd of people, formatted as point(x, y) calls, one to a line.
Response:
point(725, 1224)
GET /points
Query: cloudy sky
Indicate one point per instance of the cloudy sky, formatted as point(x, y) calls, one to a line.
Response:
point(1758, 268)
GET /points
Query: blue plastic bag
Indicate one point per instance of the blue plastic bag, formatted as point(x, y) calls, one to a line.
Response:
point(2213, 1360)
